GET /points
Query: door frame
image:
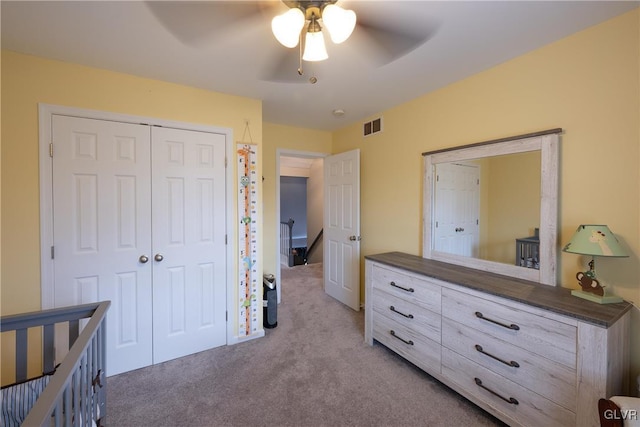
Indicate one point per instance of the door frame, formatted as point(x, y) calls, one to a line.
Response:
point(45, 113)
point(286, 153)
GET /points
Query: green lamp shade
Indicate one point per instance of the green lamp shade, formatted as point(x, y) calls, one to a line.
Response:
point(595, 240)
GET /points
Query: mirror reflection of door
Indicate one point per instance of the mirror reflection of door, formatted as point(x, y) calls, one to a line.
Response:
point(457, 209)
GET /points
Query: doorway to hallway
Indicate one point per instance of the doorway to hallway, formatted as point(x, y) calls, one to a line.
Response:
point(300, 209)
point(339, 208)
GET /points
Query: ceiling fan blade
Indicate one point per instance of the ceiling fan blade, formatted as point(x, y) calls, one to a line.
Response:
point(383, 37)
point(196, 23)
point(384, 44)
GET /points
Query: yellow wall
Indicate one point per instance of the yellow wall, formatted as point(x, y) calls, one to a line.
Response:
point(27, 81)
point(514, 203)
point(587, 83)
point(286, 138)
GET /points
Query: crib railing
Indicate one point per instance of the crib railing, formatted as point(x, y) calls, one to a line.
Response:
point(76, 393)
point(286, 241)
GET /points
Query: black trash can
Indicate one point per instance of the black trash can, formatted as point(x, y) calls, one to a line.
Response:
point(269, 301)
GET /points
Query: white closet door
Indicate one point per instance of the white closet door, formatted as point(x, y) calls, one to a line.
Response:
point(189, 290)
point(457, 209)
point(102, 226)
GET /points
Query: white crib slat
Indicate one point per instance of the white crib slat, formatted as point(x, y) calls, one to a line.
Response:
point(85, 408)
point(94, 373)
point(102, 358)
point(57, 414)
point(77, 389)
point(66, 407)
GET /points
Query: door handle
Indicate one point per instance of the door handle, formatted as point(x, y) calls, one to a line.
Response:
point(143, 259)
point(158, 257)
point(354, 238)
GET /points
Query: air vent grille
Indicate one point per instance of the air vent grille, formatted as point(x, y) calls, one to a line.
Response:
point(374, 126)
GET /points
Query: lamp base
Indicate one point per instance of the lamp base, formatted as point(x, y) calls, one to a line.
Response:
point(607, 299)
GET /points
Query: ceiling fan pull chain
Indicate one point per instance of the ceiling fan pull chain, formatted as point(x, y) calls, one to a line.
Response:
point(300, 70)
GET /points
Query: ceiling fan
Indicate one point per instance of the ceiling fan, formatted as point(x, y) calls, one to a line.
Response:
point(302, 22)
point(369, 30)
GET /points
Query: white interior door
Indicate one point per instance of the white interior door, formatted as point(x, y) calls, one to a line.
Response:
point(457, 209)
point(101, 210)
point(342, 227)
point(189, 262)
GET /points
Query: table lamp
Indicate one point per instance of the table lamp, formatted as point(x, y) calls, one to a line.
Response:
point(594, 240)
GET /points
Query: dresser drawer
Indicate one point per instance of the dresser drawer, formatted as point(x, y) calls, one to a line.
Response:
point(526, 408)
point(546, 337)
point(408, 343)
point(420, 291)
point(552, 380)
point(408, 314)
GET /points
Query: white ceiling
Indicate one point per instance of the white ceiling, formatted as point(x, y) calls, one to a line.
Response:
point(229, 48)
point(296, 162)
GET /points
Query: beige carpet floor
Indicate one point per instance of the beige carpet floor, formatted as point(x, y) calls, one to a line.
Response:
point(313, 369)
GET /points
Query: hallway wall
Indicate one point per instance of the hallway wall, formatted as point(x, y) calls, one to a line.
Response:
point(293, 204)
point(315, 209)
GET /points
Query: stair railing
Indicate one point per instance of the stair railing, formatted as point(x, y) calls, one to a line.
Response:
point(313, 245)
point(286, 241)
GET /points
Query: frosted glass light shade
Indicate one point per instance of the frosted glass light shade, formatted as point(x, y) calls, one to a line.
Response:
point(339, 22)
point(314, 48)
point(286, 27)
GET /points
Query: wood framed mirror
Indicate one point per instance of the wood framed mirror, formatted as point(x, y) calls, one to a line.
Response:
point(493, 206)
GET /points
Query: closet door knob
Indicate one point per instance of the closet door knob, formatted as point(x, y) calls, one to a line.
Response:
point(158, 257)
point(143, 259)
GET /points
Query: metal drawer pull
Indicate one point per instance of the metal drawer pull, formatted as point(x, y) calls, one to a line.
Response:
point(393, 334)
point(511, 363)
point(400, 287)
point(511, 400)
point(511, 326)
point(408, 316)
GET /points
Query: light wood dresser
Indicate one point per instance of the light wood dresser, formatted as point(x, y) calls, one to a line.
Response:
point(529, 354)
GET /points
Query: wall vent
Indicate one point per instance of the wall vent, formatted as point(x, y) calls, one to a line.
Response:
point(374, 126)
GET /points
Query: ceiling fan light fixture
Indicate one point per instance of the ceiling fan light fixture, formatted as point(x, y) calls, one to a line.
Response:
point(314, 47)
point(287, 27)
point(339, 22)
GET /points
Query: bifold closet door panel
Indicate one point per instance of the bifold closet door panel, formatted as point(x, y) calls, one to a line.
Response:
point(189, 263)
point(101, 186)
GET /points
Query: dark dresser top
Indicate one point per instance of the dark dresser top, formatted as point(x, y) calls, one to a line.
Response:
point(552, 298)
